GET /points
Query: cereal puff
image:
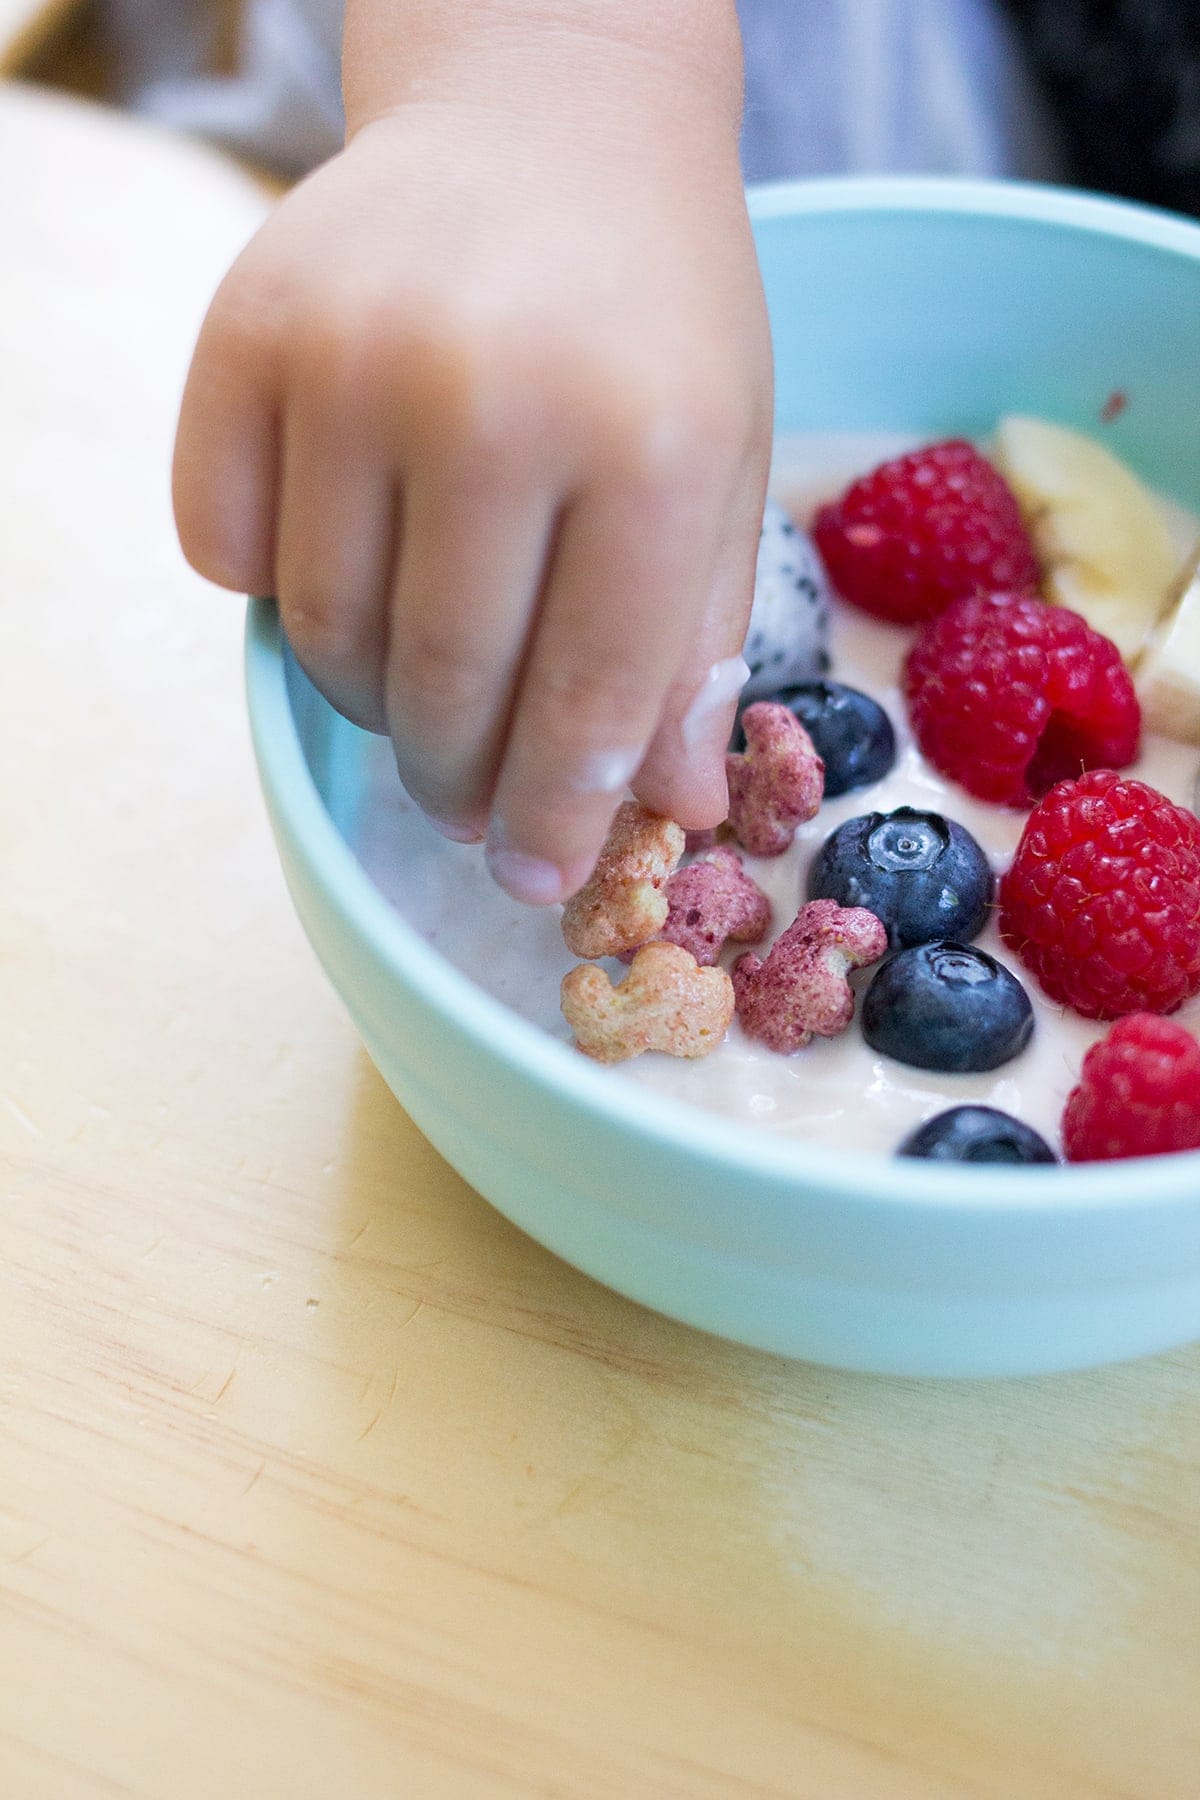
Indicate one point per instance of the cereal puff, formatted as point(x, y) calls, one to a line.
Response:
point(800, 991)
point(776, 783)
point(666, 1002)
point(712, 900)
point(624, 902)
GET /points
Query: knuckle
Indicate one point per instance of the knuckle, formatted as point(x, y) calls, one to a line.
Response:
point(465, 381)
point(245, 323)
point(585, 700)
point(324, 636)
point(666, 439)
point(207, 549)
point(343, 331)
point(453, 384)
point(330, 338)
point(436, 670)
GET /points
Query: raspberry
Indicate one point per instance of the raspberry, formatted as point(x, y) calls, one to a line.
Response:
point(923, 530)
point(1138, 1093)
point(1102, 901)
point(1008, 695)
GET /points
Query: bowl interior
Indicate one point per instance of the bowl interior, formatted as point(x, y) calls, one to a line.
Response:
point(919, 306)
point(936, 306)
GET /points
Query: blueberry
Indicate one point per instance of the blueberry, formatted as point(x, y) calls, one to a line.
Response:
point(976, 1134)
point(946, 1006)
point(922, 875)
point(852, 733)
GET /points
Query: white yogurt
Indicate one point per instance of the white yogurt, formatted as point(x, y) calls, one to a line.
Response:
point(838, 1090)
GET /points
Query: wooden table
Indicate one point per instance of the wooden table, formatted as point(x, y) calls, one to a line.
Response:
point(316, 1477)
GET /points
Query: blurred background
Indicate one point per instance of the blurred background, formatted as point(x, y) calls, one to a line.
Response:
point(1103, 94)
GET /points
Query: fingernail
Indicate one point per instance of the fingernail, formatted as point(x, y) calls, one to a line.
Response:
point(723, 683)
point(527, 878)
point(458, 834)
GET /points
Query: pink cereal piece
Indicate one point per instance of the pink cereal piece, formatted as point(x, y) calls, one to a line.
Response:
point(711, 900)
point(624, 902)
point(776, 783)
point(666, 1002)
point(801, 990)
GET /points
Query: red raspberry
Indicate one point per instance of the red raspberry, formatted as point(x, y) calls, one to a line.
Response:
point(1009, 695)
point(1138, 1093)
point(924, 529)
point(1102, 901)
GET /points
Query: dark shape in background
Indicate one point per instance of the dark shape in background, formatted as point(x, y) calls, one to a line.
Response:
point(1123, 79)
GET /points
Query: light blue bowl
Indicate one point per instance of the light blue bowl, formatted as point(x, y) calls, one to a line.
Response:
point(930, 306)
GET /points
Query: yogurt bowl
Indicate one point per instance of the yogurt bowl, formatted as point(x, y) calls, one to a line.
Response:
point(915, 307)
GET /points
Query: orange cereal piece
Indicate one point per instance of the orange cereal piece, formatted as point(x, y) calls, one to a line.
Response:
point(776, 783)
point(666, 1002)
point(624, 902)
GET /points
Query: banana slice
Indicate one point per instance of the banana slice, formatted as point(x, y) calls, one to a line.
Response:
point(1168, 680)
point(1101, 536)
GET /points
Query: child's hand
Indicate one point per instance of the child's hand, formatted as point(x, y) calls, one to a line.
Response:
point(487, 403)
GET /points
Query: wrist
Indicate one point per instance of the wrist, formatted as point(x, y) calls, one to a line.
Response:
point(484, 53)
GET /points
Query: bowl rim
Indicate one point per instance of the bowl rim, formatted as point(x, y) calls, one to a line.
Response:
point(1027, 201)
point(1145, 1183)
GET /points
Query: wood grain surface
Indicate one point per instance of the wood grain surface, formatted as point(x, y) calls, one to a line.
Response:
point(316, 1477)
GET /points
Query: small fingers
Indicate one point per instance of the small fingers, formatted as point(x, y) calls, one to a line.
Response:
point(335, 550)
point(465, 591)
point(610, 635)
point(683, 774)
point(226, 453)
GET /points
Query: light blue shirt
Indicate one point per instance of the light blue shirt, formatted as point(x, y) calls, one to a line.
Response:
point(874, 86)
point(831, 85)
